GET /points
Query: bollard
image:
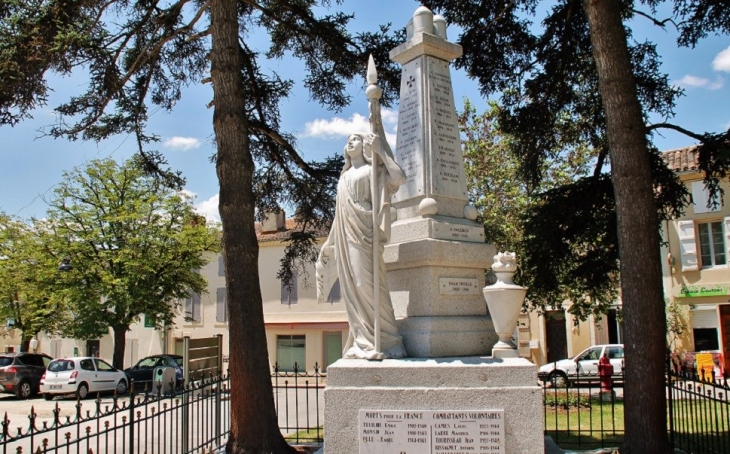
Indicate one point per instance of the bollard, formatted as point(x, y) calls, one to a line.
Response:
point(605, 373)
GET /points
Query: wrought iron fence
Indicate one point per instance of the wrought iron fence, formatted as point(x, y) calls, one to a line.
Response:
point(698, 410)
point(192, 419)
point(579, 416)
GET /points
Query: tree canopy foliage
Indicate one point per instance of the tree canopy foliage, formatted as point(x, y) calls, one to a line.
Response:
point(28, 291)
point(134, 245)
point(550, 108)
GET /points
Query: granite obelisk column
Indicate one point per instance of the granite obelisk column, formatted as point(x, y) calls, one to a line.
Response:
point(436, 257)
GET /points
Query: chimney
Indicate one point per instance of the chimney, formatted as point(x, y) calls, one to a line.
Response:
point(273, 222)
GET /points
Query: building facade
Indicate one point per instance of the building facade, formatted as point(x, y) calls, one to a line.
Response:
point(696, 269)
point(298, 328)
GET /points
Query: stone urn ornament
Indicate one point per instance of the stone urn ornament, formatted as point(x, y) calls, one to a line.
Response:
point(504, 301)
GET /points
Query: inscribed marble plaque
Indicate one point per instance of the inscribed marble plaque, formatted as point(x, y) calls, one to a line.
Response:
point(409, 148)
point(458, 286)
point(431, 431)
point(458, 232)
point(447, 160)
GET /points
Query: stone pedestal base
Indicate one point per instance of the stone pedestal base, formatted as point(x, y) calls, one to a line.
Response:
point(436, 290)
point(455, 384)
point(502, 353)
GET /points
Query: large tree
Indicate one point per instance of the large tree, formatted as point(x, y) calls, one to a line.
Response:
point(144, 53)
point(133, 247)
point(582, 78)
point(28, 278)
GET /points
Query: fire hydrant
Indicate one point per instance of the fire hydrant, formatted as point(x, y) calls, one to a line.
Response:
point(605, 373)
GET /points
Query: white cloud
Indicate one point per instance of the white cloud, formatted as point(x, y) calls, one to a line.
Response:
point(209, 209)
point(206, 208)
point(337, 127)
point(717, 84)
point(182, 143)
point(691, 81)
point(722, 61)
point(699, 82)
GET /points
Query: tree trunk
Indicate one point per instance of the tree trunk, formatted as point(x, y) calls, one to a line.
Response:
point(254, 426)
point(638, 235)
point(25, 343)
point(120, 341)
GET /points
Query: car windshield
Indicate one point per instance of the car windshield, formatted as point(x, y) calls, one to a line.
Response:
point(5, 361)
point(179, 361)
point(61, 366)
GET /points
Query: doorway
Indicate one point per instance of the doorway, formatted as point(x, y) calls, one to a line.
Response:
point(725, 334)
point(332, 348)
point(556, 338)
point(92, 348)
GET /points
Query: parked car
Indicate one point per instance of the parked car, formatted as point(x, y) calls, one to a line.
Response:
point(141, 372)
point(584, 366)
point(82, 376)
point(20, 373)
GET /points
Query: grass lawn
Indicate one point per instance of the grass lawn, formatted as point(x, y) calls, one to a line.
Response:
point(574, 420)
point(314, 435)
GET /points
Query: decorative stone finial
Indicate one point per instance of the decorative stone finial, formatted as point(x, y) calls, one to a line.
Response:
point(439, 25)
point(423, 21)
point(505, 262)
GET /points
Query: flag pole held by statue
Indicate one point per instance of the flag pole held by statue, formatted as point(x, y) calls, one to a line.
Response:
point(373, 93)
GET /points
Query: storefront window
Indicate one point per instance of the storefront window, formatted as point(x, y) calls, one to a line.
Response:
point(705, 339)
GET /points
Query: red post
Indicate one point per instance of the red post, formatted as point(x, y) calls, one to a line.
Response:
point(605, 373)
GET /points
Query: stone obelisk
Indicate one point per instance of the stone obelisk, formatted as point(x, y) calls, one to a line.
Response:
point(436, 257)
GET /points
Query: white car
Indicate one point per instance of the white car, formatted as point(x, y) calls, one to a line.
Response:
point(81, 376)
point(584, 366)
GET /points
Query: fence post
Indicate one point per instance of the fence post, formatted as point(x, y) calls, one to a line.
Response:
point(132, 401)
point(669, 399)
point(219, 391)
point(185, 411)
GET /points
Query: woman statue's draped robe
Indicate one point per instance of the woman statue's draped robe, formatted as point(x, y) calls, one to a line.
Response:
point(348, 255)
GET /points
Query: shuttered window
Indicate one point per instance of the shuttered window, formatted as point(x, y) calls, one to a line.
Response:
point(192, 308)
point(221, 308)
point(289, 291)
point(712, 244)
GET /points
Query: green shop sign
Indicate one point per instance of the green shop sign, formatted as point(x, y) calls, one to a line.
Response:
point(690, 291)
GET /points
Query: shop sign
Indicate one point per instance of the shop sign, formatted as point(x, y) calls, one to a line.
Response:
point(690, 291)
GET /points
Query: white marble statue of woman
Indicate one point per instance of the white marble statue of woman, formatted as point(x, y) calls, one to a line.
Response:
point(348, 252)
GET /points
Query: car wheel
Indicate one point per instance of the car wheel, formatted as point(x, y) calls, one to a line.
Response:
point(48, 396)
point(24, 391)
point(122, 386)
point(558, 379)
point(82, 391)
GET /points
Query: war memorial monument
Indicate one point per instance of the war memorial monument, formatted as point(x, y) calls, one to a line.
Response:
point(423, 370)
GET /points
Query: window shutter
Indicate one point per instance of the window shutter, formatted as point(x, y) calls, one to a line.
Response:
point(189, 307)
point(687, 245)
point(220, 306)
point(704, 318)
point(700, 197)
point(294, 297)
point(289, 295)
point(221, 266)
point(196, 307)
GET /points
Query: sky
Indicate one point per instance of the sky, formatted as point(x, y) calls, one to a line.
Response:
point(31, 165)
